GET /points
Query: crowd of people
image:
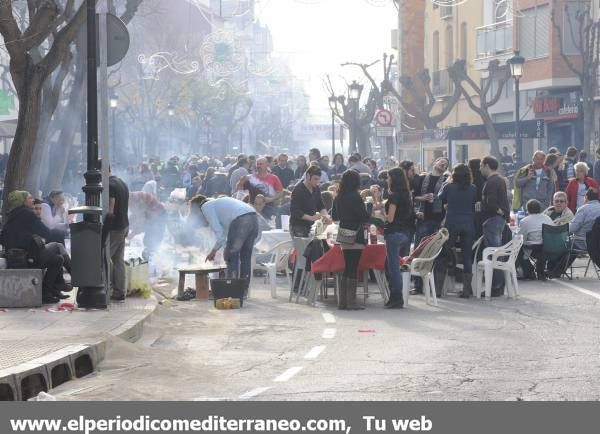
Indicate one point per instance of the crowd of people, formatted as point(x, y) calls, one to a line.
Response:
point(240, 197)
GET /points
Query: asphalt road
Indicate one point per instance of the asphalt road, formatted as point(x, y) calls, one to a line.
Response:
point(542, 346)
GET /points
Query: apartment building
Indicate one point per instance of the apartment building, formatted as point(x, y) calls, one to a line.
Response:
point(449, 36)
point(549, 89)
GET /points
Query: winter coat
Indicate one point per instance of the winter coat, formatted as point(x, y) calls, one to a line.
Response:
point(572, 189)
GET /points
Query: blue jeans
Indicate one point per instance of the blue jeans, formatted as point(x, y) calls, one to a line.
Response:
point(395, 243)
point(492, 235)
point(241, 236)
point(425, 228)
point(466, 232)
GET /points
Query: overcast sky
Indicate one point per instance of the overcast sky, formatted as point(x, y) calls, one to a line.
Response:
point(318, 35)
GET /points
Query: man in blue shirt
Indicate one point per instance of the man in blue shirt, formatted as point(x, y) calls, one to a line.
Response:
point(236, 225)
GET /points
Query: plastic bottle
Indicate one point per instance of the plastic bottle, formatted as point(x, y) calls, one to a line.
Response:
point(520, 216)
point(373, 232)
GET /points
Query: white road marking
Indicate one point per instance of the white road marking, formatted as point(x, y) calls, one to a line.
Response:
point(577, 288)
point(328, 333)
point(254, 392)
point(314, 353)
point(329, 318)
point(289, 374)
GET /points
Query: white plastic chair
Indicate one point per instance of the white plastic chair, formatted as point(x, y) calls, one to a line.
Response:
point(491, 260)
point(278, 261)
point(300, 245)
point(423, 265)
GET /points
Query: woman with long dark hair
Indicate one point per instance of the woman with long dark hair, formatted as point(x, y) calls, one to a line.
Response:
point(460, 195)
point(349, 209)
point(398, 231)
point(338, 167)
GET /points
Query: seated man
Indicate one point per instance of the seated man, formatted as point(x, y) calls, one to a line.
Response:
point(24, 231)
point(531, 230)
point(585, 218)
point(559, 212)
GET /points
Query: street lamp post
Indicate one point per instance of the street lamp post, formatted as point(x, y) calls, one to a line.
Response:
point(332, 106)
point(355, 90)
point(517, 66)
point(86, 235)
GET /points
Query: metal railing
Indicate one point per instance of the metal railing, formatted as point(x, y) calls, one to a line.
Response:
point(441, 83)
point(495, 39)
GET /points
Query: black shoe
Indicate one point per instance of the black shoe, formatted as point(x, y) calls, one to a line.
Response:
point(117, 295)
point(50, 299)
point(62, 296)
point(497, 292)
point(542, 277)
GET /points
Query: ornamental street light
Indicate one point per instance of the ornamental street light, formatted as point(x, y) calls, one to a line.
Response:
point(354, 92)
point(171, 110)
point(517, 67)
point(333, 107)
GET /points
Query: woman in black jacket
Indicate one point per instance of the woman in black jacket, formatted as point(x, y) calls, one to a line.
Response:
point(399, 224)
point(24, 231)
point(350, 210)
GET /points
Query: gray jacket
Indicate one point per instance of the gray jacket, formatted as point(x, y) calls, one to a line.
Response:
point(542, 191)
point(584, 221)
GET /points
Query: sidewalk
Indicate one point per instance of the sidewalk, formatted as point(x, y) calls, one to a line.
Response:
point(34, 341)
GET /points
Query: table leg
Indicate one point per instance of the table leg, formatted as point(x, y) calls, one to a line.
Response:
point(181, 286)
point(202, 286)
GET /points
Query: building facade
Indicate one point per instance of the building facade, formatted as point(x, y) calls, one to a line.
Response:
point(449, 37)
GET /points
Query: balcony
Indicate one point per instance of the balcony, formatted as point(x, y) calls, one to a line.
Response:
point(494, 40)
point(441, 83)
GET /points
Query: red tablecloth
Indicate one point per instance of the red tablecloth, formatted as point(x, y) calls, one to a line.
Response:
point(372, 257)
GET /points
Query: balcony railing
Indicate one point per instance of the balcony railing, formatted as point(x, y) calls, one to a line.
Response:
point(441, 83)
point(494, 40)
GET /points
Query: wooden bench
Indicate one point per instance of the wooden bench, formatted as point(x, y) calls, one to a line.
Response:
point(201, 274)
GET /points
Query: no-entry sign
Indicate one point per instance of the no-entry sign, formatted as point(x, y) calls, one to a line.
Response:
point(383, 118)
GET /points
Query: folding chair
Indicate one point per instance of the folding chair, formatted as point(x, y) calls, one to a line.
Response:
point(574, 254)
point(556, 244)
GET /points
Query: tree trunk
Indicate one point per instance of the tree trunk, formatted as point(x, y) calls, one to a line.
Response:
point(24, 142)
point(493, 136)
point(364, 146)
point(589, 124)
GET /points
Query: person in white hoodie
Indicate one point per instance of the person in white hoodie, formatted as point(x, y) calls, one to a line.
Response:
point(531, 230)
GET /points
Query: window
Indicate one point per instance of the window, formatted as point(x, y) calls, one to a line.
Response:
point(463, 41)
point(501, 11)
point(436, 51)
point(571, 27)
point(534, 32)
point(449, 46)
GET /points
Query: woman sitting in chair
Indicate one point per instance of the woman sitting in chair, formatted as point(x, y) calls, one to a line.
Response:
point(531, 230)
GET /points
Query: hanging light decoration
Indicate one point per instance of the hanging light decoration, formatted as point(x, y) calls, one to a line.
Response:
point(155, 63)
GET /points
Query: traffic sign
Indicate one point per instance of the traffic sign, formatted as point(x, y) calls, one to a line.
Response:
point(383, 118)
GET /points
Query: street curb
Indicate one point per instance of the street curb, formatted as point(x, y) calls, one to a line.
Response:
point(28, 379)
